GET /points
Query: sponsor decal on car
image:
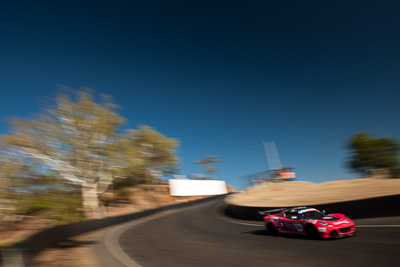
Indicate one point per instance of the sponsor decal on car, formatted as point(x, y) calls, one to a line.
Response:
point(311, 221)
point(340, 222)
point(322, 229)
point(299, 226)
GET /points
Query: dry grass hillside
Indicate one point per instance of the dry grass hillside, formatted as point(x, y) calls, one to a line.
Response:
point(298, 193)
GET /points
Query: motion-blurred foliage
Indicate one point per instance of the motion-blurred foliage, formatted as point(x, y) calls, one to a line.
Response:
point(208, 163)
point(75, 146)
point(369, 154)
point(62, 207)
point(144, 155)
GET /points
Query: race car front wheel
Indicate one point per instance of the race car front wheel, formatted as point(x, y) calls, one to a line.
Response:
point(271, 229)
point(312, 232)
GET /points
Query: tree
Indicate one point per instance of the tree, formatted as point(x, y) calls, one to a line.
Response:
point(147, 155)
point(73, 139)
point(370, 153)
point(10, 171)
point(207, 162)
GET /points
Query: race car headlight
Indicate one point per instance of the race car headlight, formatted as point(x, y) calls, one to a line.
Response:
point(325, 224)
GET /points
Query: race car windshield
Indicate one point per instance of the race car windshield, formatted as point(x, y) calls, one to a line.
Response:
point(312, 215)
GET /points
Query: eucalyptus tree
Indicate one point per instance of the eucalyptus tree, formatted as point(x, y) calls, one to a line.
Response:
point(208, 163)
point(369, 153)
point(145, 155)
point(74, 139)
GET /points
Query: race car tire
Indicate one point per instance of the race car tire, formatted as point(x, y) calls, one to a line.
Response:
point(311, 232)
point(271, 229)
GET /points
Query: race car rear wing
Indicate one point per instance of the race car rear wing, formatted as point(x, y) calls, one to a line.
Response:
point(270, 212)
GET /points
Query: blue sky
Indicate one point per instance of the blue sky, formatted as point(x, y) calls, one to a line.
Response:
point(221, 76)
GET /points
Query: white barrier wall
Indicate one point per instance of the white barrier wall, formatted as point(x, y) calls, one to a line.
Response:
point(182, 187)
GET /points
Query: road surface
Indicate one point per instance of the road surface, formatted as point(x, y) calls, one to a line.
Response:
point(203, 236)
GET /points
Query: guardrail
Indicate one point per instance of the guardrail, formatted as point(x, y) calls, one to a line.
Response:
point(364, 208)
point(21, 254)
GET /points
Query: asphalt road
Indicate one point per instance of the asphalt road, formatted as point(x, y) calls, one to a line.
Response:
point(203, 236)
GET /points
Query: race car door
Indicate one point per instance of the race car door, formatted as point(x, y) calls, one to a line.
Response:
point(290, 222)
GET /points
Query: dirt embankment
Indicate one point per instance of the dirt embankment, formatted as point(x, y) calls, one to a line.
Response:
point(298, 193)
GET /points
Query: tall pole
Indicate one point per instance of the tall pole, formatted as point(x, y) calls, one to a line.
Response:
point(272, 155)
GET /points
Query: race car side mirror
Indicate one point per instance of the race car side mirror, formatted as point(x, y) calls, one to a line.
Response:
point(323, 211)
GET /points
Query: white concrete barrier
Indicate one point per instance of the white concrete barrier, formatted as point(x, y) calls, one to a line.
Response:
point(185, 187)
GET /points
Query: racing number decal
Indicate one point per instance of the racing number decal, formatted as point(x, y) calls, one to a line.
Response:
point(299, 227)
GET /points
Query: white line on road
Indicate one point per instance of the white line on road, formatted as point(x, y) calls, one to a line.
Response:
point(378, 225)
point(242, 223)
point(111, 239)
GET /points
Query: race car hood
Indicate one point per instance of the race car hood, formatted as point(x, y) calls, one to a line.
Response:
point(335, 219)
point(330, 218)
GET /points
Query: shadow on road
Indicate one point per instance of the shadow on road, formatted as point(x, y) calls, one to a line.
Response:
point(263, 232)
point(259, 232)
point(71, 243)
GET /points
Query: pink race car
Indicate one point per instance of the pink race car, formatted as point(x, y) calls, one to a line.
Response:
point(308, 221)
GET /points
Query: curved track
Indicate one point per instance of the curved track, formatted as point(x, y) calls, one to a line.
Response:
point(203, 236)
